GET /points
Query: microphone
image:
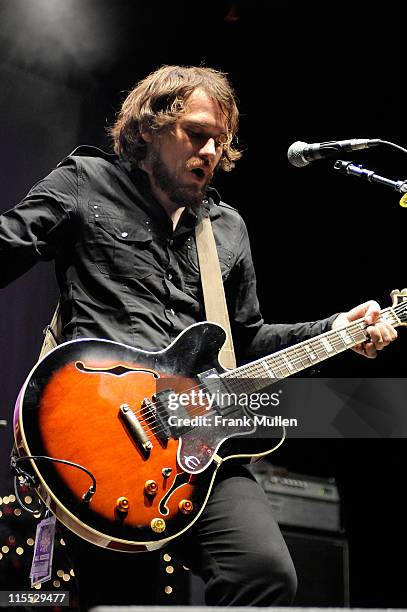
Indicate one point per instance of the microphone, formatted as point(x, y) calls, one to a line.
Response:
point(300, 154)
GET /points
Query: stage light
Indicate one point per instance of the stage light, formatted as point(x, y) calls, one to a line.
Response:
point(58, 36)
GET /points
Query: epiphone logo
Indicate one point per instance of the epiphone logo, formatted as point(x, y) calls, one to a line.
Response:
point(191, 461)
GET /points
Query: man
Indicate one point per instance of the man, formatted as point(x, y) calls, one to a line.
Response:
point(121, 230)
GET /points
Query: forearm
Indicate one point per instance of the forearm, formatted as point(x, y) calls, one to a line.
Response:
point(267, 338)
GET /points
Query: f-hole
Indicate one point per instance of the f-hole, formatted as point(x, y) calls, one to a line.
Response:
point(117, 370)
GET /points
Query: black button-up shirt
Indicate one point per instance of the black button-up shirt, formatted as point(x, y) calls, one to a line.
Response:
point(124, 274)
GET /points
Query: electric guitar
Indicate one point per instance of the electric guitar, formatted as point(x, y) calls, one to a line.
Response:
point(116, 440)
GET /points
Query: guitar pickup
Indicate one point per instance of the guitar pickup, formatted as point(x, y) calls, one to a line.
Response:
point(163, 413)
point(218, 388)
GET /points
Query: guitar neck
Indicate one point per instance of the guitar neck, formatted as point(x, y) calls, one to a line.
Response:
point(306, 354)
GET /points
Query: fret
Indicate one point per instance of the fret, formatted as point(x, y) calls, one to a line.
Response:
point(282, 366)
point(343, 333)
point(327, 345)
point(304, 357)
point(286, 362)
point(311, 354)
point(275, 367)
point(267, 368)
point(254, 372)
point(359, 334)
point(391, 317)
point(236, 385)
point(318, 350)
point(251, 384)
point(338, 341)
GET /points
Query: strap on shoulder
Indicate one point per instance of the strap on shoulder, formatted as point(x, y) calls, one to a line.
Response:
point(216, 309)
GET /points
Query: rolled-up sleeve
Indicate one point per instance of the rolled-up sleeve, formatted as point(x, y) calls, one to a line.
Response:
point(253, 337)
point(30, 232)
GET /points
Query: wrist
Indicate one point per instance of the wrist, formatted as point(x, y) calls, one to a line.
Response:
point(340, 321)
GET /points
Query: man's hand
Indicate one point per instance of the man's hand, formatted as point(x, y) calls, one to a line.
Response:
point(380, 333)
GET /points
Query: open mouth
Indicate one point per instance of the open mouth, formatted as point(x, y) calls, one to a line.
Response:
point(199, 173)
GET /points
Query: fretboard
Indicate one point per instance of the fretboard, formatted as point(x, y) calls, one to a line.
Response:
point(305, 354)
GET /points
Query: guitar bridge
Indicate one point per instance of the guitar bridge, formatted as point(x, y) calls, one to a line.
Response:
point(135, 428)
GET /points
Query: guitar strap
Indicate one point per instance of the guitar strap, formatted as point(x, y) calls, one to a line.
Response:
point(213, 292)
point(51, 333)
point(216, 309)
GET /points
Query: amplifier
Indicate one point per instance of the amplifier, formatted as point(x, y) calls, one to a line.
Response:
point(300, 500)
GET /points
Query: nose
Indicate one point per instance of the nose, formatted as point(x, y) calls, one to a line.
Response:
point(208, 150)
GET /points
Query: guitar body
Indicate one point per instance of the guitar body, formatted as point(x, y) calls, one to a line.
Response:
point(103, 410)
point(71, 408)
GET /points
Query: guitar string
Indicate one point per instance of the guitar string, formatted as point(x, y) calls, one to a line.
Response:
point(335, 341)
point(150, 425)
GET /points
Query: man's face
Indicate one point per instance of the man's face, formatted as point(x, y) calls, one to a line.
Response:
point(183, 160)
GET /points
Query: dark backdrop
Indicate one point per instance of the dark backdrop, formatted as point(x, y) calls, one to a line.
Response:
point(321, 242)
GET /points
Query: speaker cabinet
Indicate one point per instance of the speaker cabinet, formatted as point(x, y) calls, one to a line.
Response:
point(322, 568)
point(322, 565)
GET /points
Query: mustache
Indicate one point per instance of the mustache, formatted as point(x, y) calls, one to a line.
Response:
point(197, 163)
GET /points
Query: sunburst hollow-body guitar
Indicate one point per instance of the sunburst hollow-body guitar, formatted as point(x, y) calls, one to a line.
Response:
point(111, 455)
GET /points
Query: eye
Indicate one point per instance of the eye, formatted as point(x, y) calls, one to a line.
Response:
point(195, 134)
point(202, 137)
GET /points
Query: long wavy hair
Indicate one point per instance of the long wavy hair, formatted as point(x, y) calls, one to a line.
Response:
point(157, 101)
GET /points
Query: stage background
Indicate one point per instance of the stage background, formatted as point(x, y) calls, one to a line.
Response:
point(322, 242)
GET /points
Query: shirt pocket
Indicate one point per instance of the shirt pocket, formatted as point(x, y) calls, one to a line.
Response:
point(122, 248)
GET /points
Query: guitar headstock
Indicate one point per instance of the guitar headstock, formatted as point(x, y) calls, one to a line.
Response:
point(399, 299)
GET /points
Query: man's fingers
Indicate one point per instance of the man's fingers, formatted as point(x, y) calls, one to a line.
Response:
point(381, 335)
point(367, 349)
point(372, 311)
point(370, 350)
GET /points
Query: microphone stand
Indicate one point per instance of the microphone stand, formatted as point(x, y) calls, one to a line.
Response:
point(352, 170)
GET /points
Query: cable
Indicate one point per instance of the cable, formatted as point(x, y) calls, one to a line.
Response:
point(391, 144)
point(86, 497)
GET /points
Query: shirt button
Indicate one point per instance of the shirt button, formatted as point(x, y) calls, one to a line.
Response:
point(170, 242)
point(95, 206)
point(169, 276)
point(96, 216)
point(124, 234)
point(204, 201)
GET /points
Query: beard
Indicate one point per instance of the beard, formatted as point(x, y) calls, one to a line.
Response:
point(190, 195)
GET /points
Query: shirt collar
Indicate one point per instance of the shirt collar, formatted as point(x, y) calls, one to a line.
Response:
point(210, 204)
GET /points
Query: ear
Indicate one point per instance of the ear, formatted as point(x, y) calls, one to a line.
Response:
point(146, 135)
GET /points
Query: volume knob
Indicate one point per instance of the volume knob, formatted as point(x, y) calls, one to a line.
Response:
point(122, 506)
point(157, 525)
point(150, 488)
point(185, 506)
